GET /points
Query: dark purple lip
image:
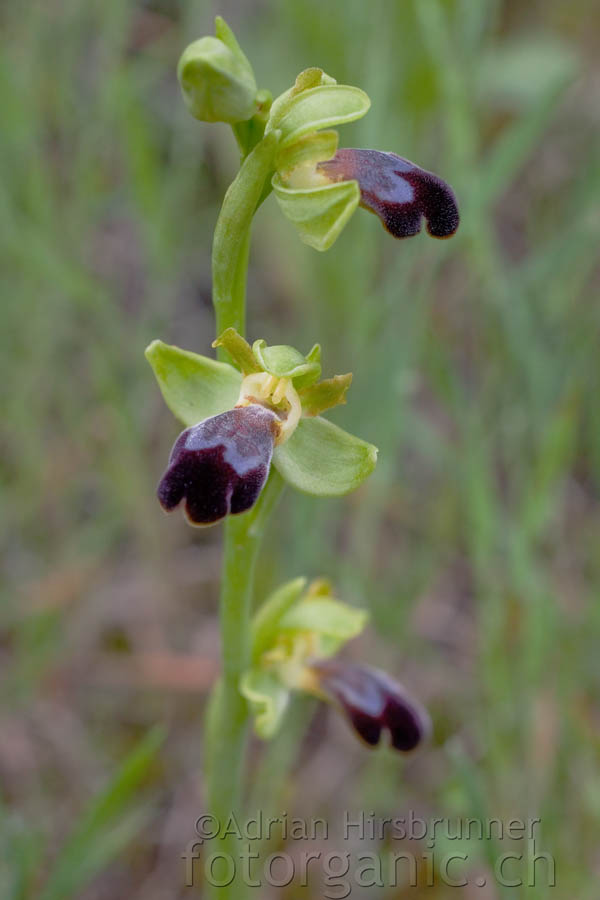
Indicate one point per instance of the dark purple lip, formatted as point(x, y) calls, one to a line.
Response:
point(220, 466)
point(373, 702)
point(398, 191)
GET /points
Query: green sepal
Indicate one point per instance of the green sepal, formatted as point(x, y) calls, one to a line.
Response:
point(309, 78)
point(334, 622)
point(217, 81)
point(315, 108)
point(312, 148)
point(324, 460)
point(265, 624)
point(319, 213)
point(268, 698)
point(194, 387)
point(326, 394)
point(225, 34)
point(239, 350)
point(286, 362)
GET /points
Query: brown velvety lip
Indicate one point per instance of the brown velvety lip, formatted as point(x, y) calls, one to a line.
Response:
point(373, 702)
point(220, 466)
point(401, 193)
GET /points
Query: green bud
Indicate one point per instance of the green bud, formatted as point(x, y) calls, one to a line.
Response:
point(217, 80)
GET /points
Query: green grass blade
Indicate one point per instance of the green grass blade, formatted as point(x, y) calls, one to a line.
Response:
point(104, 829)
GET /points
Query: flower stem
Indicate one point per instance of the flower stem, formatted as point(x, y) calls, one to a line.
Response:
point(231, 243)
point(227, 717)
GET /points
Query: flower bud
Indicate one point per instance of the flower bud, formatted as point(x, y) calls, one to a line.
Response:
point(220, 466)
point(372, 702)
point(217, 82)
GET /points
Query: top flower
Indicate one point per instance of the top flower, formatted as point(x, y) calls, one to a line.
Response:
point(318, 187)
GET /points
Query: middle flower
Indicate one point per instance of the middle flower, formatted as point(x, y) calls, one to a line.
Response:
point(239, 422)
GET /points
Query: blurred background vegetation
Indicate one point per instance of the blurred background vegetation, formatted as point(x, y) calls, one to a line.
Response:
point(474, 544)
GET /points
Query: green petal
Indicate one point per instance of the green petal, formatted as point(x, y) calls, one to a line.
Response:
point(319, 213)
point(326, 394)
point(307, 79)
point(265, 624)
point(327, 617)
point(225, 34)
point(239, 350)
point(323, 460)
point(319, 107)
point(311, 149)
point(194, 387)
point(286, 362)
point(268, 699)
point(310, 375)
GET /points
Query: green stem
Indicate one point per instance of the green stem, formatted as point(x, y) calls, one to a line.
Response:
point(232, 237)
point(227, 718)
point(243, 536)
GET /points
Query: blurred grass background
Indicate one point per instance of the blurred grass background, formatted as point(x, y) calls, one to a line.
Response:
point(474, 544)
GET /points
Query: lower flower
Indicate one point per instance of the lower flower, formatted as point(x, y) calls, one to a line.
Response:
point(220, 466)
point(296, 636)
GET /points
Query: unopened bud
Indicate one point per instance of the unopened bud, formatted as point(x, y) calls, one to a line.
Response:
point(217, 82)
